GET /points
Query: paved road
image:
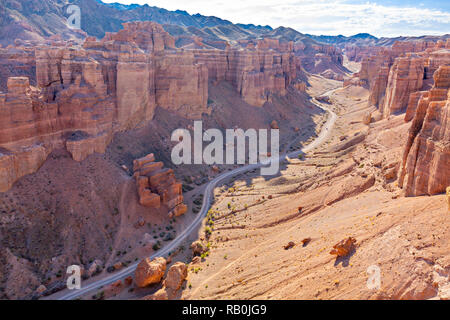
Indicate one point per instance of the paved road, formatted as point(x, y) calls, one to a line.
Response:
point(207, 197)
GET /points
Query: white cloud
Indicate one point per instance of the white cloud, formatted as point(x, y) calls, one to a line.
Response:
point(318, 16)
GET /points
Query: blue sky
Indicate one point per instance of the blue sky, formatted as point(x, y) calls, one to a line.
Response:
point(332, 17)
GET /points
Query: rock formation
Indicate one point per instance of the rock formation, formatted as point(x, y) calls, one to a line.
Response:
point(149, 272)
point(15, 62)
point(157, 186)
point(172, 283)
point(414, 76)
point(80, 97)
point(344, 247)
point(426, 158)
point(264, 68)
point(175, 276)
point(392, 74)
point(406, 76)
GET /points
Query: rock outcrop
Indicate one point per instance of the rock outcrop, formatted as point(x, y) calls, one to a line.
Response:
point(426, 158)
point(175, 276)
point(172, 283)
point(149, 272)
point(413, 76)
point(264, 68)
point(157, 186)
point(406, 76)
point(15, 62)
point(395, 74)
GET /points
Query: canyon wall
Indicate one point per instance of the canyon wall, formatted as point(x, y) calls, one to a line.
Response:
point(413, 77)
point(426, 160)
point(84, 95)
point(405, 76)
point(62, 95)
point(256, 72)
point(15, 62)
point(392, 74)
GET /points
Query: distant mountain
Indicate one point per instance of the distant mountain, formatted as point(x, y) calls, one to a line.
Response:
point(340, 40)
point(37, 19)
point(366, 39)
point(389, 41)
point(120, 6)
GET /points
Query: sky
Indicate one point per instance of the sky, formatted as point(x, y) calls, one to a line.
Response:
point(384, 18)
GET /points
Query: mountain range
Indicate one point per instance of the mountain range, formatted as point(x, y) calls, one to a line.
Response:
point(37, 19)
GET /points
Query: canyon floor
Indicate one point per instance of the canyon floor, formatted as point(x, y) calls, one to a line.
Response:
point(346, 188)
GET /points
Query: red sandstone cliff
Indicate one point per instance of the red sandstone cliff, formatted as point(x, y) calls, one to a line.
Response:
point(413, 76)
point(426, 159)
point(405, 76)
point(80, 97)
point(393, 74)
point(83, 96)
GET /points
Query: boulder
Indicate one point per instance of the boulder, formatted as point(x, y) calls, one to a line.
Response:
point(139, 163)
point(344, 247)
point(113, 289)
point(41, 289)
point(274, 125)
point(367, 118)
point(128, 281)
point(197, 248)
point(150, 272)
point(290, 245)
point(176, 275)
point(306, 241)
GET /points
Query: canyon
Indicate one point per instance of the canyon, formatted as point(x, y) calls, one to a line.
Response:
point(82, 96)
point(66, 101)
point(86, 176)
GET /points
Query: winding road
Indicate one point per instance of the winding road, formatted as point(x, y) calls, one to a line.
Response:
point(207, 197)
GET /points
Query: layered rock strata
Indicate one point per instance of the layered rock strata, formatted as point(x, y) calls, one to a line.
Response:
point(393, 74)
point(426, 159)
point(77, 97)
point(84, 95)
point(157, 186)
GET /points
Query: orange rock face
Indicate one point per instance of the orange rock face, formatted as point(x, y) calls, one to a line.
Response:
point(149, 272)
point(83, 96)
point(426, 158)
point(263, 69)
point(405, 77)
point(176, 275)
point(181, 84)
point(395, 74)
point(158, 186)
